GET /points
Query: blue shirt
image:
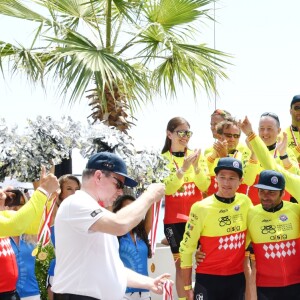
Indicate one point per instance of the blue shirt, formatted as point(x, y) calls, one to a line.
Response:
point(27, 284)
point(134, 256)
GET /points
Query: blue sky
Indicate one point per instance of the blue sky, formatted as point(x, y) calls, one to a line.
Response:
point(263, 37)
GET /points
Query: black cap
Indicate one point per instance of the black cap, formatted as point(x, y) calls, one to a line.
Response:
point(229, 163)
point(271, 180)
point(295, 100)
point(108, 161)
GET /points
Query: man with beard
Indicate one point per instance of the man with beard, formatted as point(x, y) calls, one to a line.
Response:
point(273, 227)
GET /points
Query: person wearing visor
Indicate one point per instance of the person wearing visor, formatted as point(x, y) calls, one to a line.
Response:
point(273, 227)
point(293, 131)
point(188, 177)
point(88, 265)
point(218, 224)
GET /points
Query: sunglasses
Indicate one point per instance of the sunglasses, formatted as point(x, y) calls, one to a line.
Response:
point(183, 133)
point(230, 135)
point(272, 115)
point(119, 184)
point(297, 107)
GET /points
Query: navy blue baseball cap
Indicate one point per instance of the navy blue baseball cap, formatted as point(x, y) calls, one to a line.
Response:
point(270, 180)
point(111, 162)
point(295, 100)
point(229, 163)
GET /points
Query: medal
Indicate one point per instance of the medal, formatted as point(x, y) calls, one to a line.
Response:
point(152, 267)
point(42, 256)
point(35, 251)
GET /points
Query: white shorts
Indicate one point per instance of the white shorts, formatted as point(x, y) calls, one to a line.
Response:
point(137, 295)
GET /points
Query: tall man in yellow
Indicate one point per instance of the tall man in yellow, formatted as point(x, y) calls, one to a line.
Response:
point(293, 131)
point(273, 227)
point(219, 224)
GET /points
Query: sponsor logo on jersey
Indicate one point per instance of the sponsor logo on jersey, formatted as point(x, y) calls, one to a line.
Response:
point(266, 220)
point(278, 237)
point(223, 211)
point(224, 221)
point(268, 229)
point(234, 229)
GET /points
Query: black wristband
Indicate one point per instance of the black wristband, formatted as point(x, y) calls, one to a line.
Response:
point(283, 157)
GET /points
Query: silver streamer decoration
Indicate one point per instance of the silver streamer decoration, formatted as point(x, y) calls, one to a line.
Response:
point(146, 166)
point(44, 142)
point(47, 141)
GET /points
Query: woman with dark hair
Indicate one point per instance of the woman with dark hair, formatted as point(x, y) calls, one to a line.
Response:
point(135, 248)
point(189, 176)
point(68, 184)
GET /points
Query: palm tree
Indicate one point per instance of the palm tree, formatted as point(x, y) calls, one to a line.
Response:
point(121, 52)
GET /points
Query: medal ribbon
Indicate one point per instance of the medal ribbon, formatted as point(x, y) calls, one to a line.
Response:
point(44, 232)
point(167, 290)
point(293, 136)
point(156, 208)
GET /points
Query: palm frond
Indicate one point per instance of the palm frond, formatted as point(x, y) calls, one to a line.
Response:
point(193, 65)
point(84, 62)
point(170, 13)
point(16, 9)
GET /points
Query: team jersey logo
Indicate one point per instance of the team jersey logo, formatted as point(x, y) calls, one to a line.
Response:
point(224, 221)
point(268, 229)
point(283, 218)
point(237, 208)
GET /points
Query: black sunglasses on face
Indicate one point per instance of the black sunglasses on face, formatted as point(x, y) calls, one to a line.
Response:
point(119, 184)
point(230, 135)
point(183, 133)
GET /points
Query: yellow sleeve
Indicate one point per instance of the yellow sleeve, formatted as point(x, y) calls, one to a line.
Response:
point(172, 182)
point(294, 166)
point(211, 164)
point(191, 236)
point(292, 181)
point(25, 220)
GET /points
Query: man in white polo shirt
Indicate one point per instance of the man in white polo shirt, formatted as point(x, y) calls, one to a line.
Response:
point(88, 265)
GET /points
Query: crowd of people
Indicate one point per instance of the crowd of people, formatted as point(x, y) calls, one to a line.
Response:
point(234, 206)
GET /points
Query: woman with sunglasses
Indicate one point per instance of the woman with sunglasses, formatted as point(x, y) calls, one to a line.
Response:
point(188, 177)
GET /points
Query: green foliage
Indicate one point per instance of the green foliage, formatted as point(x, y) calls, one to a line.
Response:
point(82, 42)
point(41, 270)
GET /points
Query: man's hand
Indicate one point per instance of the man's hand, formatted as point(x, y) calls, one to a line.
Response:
point(199, 256)
point(282, 144)
point(157, 190)
point(245, 126)
point(158, 283)
point(221, 148)
point(48, 182)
